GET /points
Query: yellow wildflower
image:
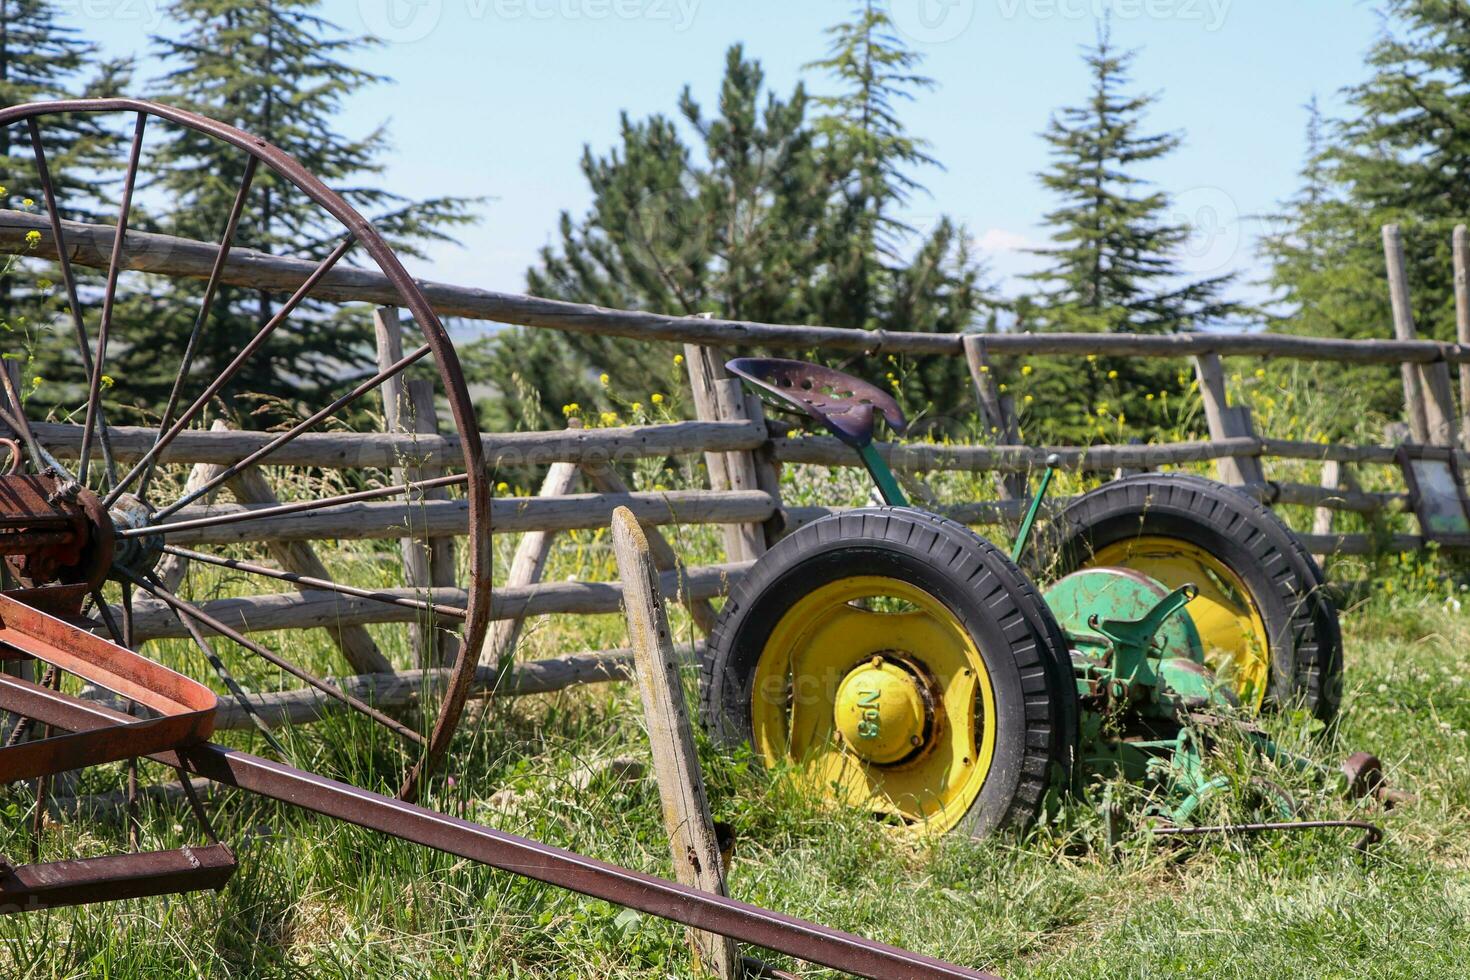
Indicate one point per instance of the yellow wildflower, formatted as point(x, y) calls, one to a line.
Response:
point(1029, 399)
point(678, 358)
point(604, 379)
point(1112, 375)
point(502, 487)
point(637, 406)
point(28, 203)
point(609, 418)
point(1091, 358)
point(1026, 369)
point(657, 398)
point(33, 238)
point(107, 381)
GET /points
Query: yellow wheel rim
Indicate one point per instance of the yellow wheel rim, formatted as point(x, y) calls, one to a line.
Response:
point(1231, 629)
point(855, 670)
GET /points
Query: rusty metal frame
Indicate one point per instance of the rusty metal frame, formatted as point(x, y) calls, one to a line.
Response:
point(508, 852)
point(361, 232)
point(177, 735)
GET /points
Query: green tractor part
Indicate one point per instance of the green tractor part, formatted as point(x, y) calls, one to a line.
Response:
point(908, 666)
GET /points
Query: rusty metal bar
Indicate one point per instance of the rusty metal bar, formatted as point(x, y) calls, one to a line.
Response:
point(55, 884)
point(541, 862)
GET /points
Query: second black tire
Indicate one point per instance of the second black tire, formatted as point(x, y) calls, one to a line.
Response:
point(1284, 581)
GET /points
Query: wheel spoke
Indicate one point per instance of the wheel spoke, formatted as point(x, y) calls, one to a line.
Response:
point(242, 697)
point(302, 506)
point(104, 328)
point(227, 241)
point(187, 611)
point(69, 281)
point(238, 467)
point(232, 368)
point(325, 585)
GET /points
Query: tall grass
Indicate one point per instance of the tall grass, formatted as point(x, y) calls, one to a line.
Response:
point(321, 899)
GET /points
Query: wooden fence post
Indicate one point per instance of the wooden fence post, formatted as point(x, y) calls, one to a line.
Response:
point(996, 410)
point(1226, 421)
point(692, 840)
point(1462, 321)
point(528, 565)
point(408, 406)
point(605, 479)
point(1335, 476)
point(718, 397)
point(1430, 419)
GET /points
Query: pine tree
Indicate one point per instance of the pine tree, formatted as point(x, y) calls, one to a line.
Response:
point(42, 58)
point(733, 234)
point(777, 217)
point(870, 155)
point(277, 70)
point(1400, 154)
point(1113, 265)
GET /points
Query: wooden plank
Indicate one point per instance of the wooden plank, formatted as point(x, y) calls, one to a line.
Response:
point(441, 518)
point(391, 691)
point(91, 245)
point(526, 569)
point(605, 479)
point(306, 610)
point(1462, 320)
point(928, 457)
point(1403, 328)
point(718, 397)
point(380, 450)
point(1336, 478)
point(408, 407)
point(1440, 417)
point(692, 841)
point(997, 412)
point(1226, 422)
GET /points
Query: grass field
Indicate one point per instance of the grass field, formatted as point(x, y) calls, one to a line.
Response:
point(316, 898)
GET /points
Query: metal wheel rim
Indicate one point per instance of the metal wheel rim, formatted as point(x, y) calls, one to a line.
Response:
point(818, 642)
point(359, 233)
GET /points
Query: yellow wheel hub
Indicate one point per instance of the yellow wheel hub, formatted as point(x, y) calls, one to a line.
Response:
point(880, 712)
point(880, 697)
point(1231, 629)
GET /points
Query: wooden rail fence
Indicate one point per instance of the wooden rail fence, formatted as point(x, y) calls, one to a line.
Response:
point(743, 452)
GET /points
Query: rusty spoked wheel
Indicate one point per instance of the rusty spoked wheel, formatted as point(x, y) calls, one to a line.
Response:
point(307, 517)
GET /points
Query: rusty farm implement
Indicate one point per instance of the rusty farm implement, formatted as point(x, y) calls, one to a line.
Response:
point(908, 666)
point(92, 530)
point(904, 664)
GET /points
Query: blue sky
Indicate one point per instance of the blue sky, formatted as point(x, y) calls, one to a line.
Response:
point(497, 98)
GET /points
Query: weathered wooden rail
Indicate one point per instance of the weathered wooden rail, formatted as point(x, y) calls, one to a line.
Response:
point(743, 454)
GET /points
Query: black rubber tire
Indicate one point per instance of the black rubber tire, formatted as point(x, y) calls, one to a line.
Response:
point(1035, 696)
point(1283, 578)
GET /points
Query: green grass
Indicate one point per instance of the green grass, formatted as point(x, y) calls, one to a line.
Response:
point(318, 898)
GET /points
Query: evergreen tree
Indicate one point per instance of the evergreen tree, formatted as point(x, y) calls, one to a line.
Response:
point(42, 58)
point(1113, 264)
point(785, 219)
point(1401, 154)
point(277, 70)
